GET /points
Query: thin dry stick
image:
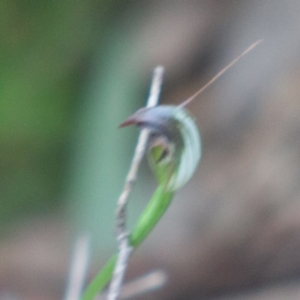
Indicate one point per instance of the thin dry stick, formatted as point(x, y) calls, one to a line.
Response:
point(144, 284)
point(147, 283)
point(78, 268)
point(186, 102)
point(122, 236)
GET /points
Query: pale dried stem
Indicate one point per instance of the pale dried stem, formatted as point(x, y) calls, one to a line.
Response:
point(122, 235)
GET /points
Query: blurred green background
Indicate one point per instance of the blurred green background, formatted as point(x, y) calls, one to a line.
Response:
point(66, 83)
point(45, 49)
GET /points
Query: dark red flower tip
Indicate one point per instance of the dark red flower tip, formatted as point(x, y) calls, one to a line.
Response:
point(129, 121)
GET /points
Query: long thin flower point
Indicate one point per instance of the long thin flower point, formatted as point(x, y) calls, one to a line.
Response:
point(174, 146)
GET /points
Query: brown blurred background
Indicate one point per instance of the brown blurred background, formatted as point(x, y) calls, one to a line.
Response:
point(72, 71)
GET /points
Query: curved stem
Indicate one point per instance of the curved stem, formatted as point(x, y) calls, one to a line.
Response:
point(155, 209)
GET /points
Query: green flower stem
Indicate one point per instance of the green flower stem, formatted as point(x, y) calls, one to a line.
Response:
point(151, 215)
point(147, 221)
point(100, 280)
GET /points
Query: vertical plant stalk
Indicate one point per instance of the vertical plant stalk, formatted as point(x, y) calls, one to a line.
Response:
point(78, 267)
point(124, 246)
